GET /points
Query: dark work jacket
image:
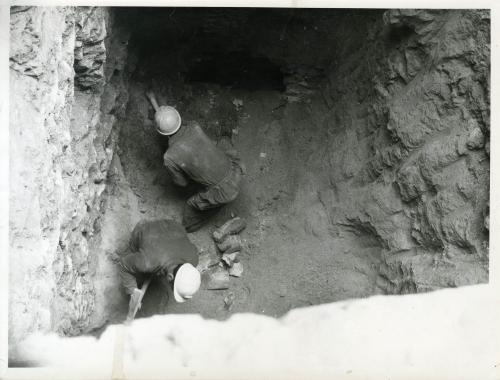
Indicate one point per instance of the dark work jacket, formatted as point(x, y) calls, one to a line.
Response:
point(192, 155)
point(156, 248)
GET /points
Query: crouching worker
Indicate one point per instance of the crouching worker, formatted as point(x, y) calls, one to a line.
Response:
point(192, 156)
point(160, 249)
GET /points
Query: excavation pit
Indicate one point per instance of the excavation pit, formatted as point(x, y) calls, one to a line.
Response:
point(365, 142)
point(241, 102)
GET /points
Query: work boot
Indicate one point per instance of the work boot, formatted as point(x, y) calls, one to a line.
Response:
point(233, 226)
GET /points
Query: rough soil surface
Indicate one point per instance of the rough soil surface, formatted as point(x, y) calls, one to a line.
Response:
point(375, 182)
point(286, 262)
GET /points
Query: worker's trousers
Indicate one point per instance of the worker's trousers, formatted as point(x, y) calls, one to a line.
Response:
point(201, 206)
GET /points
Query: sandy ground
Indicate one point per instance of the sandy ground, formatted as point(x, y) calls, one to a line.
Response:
point(288, 262)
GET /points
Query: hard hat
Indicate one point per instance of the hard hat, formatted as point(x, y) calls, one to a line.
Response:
point(187, 282)
point(168, 120)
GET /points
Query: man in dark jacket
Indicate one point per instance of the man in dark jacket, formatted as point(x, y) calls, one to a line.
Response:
point(160, 248)
point(192, 156)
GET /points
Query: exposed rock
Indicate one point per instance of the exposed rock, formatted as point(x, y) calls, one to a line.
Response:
point(236, 270)
point(229, 300)
point(63, 144)
point(230, 258)
point(232, 226)
point(487, 217)
point(410, 182)
point(415, 135)
point(230, 244)
point(27, 55)
point(419, 21)
point(476, 139)
point(90, 50)
point(17, 9)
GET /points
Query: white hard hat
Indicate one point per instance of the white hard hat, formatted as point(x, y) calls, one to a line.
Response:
point(187, 282)
point(168, 120)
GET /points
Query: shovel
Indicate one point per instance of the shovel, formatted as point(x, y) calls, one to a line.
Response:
point(151, 96)
point(135, 301)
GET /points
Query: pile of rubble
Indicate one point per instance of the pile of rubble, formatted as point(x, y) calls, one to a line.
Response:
point(219, 267)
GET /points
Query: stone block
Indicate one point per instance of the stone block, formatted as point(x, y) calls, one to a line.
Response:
point(236, 270)
point(207, 260)
point(217, 278)
point(233, 226)
point(475, 139)
point(230, 258)
point(232, 243)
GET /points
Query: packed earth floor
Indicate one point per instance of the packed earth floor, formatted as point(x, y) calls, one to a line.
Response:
point(286, 264)
point(332, 195)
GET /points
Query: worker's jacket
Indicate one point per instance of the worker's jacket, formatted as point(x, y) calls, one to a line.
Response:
point(156, 248)
point(192, 155)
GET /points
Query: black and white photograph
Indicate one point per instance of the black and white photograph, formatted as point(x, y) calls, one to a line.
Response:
point(248, 192)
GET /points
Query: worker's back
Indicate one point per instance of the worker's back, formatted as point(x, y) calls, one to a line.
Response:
point(158, 245)
point(196, 156)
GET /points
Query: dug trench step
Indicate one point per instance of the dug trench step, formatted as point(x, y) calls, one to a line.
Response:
point(231, 227)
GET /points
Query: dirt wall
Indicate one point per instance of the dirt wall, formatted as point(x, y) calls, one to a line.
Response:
point(407, 151)
point(66, 91)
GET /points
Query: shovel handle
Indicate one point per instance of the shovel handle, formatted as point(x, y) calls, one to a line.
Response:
point(151, 96)
point(145, 286)
point(133, 311)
